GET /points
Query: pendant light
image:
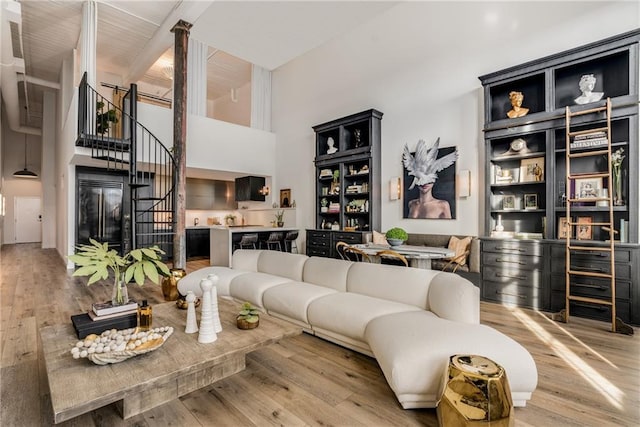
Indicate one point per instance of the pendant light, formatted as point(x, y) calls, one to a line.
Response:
point(25, 173)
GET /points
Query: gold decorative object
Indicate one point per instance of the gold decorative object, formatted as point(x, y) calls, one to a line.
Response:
point(517, 110)
point(170, 284)
point(476, 393)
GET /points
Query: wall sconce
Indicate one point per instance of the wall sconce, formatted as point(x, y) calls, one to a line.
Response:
point(394, 188)
point(464, 183)
point(264, 191)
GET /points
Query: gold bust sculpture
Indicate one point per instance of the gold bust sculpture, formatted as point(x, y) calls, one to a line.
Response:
point(516, 103)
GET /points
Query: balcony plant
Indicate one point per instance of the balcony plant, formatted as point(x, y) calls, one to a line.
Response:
point(396, 236)
point(98, 261)
point(248, 317)
point(104, 118)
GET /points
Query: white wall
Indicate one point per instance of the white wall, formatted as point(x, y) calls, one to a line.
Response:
point(419, 63)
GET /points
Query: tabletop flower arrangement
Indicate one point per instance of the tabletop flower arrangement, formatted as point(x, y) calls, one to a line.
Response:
point(97, 261)
point(616, 167)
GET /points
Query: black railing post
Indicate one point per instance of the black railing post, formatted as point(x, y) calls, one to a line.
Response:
point(133, 160)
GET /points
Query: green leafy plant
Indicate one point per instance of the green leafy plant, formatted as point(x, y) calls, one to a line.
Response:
point(396, 233)
point(249, 313)
point(97, 260)
point(336, 175)
point(103, 118)
point(279, 216)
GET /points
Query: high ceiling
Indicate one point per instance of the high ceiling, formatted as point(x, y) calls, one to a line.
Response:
point(134, 40)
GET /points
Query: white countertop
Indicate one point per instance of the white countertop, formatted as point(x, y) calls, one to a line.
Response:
point(242, 229)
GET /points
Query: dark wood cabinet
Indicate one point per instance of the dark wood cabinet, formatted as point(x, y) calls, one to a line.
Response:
point(323, 242)
point(198, 240)
point(523, 254)
point(249, 188)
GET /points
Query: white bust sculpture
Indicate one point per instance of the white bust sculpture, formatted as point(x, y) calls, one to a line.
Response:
point(587, 83)
point(331, 143)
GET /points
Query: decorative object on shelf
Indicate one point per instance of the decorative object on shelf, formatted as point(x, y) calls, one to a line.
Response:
point(145, 316)
point(323, 205)
point(616, 168)
point(505, 175)
point(285, 197)
point(120, 345)
point(170, 283)
point(192, 323)
point(357, 136)
point(499, 227)
point(280, 218)
point(396, 236)
point(433, 179)
point(517, 110)
point(335, 225)
point(588, 188)
point(563, 228)
point(532, 170)
point(604, 194)
point(217, 325)
point(230, 219)
point(331, 146)
point(508, 202)
point(531, 201)
point(248, 317)
point(517, 147)
point(586, 84)
point(207, 329)
point(96, 259)
point(584, 231)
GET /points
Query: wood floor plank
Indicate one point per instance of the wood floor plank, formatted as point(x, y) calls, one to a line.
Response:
point(587, 376)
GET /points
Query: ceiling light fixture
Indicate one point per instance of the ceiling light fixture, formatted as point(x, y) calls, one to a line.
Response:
point(25, 173)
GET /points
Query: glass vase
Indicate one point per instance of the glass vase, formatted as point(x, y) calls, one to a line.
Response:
point(617, 188)
point(120, 295)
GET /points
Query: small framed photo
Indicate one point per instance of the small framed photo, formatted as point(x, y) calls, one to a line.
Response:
point(531, 201)
point(285, 198)
point(584, 228)
point(588, 188)
point(508, 202)
point(532, 170)
point(563, 228)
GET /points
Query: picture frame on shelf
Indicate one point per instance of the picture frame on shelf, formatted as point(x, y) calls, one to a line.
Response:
point(508, 202)
point(563, 228)
point(584, 231)
point(532, 170)
point(285, 198)
point(588, 188)
point(531, 201)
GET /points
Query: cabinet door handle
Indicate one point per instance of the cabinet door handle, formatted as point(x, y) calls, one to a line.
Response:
point(598, 308)
point(503, 248)
point(590, 286)
point(511, 295)
point(510, 276)
point(594, 269)
point(510, 261)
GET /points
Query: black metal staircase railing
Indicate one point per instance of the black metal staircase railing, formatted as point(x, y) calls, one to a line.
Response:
point(115, 137)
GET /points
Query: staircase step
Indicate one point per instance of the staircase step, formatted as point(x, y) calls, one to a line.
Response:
point(103, 143)
point(111, 159)
point(138, 185)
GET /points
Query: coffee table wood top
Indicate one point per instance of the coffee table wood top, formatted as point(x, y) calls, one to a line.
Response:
point(78, 386)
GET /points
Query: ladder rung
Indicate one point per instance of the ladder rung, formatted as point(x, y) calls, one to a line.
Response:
point(589, 153)
point(589, 223)
point(589, 248)
point(589, 111)
point(590, 274)
point(587, 131)
point(588, 175)
point(588, 200)
point(591, 300)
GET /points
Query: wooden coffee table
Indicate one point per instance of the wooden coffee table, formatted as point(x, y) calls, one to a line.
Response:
point(180, 366)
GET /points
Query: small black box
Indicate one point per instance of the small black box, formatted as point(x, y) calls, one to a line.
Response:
point(84, 326)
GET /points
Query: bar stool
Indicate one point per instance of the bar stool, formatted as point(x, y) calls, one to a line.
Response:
point(248, 241)
point(273, 241)
point(290, 238)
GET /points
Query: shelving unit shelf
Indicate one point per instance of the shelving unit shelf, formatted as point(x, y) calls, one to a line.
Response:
point(529, 207)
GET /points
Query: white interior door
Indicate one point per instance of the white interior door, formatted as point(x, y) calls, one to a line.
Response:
point(28, 219)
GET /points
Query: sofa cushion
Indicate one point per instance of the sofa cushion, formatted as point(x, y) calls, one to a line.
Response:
point(251, 286)
point(390, 282)
point(191, 282)
point(292, 299)
point(327, 272)
point(282, 264)
point(347, 314)
point(413, 349)
point(246, 259)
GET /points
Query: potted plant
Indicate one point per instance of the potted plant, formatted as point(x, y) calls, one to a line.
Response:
point(96, 259)
point(230, 219)
point(103, 118)
point(280, 218)
point(324, 203)
point(396, 236)
point(248, 317)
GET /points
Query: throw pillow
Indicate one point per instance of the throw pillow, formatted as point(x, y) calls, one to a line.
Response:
point(459, 246)
point(379, 239)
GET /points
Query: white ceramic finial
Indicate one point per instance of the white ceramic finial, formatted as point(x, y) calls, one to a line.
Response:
point(214, 303)
point(192, 323)
point(207, 328)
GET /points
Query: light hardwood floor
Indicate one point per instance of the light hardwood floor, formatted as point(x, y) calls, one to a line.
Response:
point(587, 376)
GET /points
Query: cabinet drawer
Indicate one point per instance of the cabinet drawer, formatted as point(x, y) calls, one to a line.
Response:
point(592, 311)
point(313, 234)
point(514, 293)
point(512, 261)
point(592, 287)
point(318, 251)
point(512, 276)
point(351, 238)
point(623, 271)
point(320, 243)
point(622, 255)
point(510, 247)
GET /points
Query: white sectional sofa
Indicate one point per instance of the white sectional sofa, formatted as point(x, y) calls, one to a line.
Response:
point(411, 320)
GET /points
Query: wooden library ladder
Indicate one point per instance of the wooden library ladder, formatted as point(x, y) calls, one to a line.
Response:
point(594, 135)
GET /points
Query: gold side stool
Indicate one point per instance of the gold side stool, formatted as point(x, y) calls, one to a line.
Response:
point(475, 393)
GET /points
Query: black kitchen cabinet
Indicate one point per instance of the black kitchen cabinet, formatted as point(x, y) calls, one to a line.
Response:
point(249, 187)
point(198, 242)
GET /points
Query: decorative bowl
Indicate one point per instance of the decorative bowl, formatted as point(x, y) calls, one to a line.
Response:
point(395, 242)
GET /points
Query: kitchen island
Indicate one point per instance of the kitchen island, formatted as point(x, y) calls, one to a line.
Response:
point(223, 240)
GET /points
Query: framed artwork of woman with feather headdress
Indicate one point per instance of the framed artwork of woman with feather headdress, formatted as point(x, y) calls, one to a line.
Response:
point(430, 181)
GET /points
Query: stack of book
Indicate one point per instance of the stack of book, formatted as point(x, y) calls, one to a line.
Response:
point(587, 140)
point(334, 207)
point(104, 316)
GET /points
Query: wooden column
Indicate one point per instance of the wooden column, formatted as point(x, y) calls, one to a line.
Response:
point(181, 31)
